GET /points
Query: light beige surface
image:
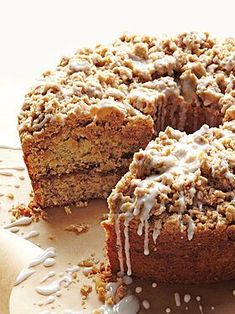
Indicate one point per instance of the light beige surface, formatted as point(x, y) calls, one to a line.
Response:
point(34, 35)
point(70, 250)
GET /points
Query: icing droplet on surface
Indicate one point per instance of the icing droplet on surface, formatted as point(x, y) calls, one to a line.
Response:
point(187, 298)
point(138, 289)
point(198, 298)
point(49, 262)
point(31, 234)
point(49, 275)
point(128, 305)
point(177, 299)
point(146, 304)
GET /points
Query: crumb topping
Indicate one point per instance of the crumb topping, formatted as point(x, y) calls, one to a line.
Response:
point(135, 71)
point(186, 180)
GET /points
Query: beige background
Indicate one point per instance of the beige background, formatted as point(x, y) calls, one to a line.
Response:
point(33, 37)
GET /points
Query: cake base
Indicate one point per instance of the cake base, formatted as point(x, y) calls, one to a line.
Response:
point(74, 188)
point(208, 257)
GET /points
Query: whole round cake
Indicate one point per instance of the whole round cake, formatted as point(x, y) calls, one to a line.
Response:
point(172, 216)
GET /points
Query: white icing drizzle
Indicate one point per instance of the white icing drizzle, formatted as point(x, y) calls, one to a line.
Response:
point(157, 230)
point(23, 221)
point(27, 272)
point(191, 227)
point(49, 275)
point(50, 300)
point(14, 229)
point(200, 309)
point(23, 275)
point(49, 262)
point(177, 299)
point(31, 234)
point(119, 243)
point(49, 252)
point(128, 305)
point(128, 217)
point(55, 286)
point(146, 238)
point(111, 288)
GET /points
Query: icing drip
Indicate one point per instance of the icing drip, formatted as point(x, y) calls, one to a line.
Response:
point(27, 272)
point(157, 230)
point(177, 299)
point(119, 243)
point(50, 300)
point(50, 252)
point(23, 275)
point(128, 218)
point(24, 221)
point(49, 275)
point(56, 285)
point(146, 238)
point(31, 234)
point(191, 227)
point(14, 229)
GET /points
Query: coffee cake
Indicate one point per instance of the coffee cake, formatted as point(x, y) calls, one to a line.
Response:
point(80, 125)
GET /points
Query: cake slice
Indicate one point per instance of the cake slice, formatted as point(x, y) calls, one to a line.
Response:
point(83, 157)
point(172, 216)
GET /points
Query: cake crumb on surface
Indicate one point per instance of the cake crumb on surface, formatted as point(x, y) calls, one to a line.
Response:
point(10, 196)
point(67, 210)
point(31, 210)
point(78, 228)
point(85, 290)
point(88, 262)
